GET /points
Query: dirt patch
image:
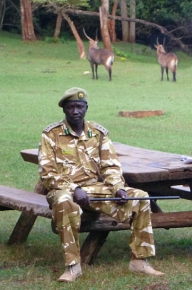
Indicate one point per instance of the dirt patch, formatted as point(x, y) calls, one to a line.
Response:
point(141, 114)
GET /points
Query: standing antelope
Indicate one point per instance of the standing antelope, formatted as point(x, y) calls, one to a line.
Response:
point(98, 56)
point(167, 61)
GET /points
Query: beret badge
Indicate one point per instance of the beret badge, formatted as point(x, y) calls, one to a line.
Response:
point(80, 95)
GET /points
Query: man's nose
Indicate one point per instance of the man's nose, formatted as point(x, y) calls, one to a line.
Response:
point(75, 110)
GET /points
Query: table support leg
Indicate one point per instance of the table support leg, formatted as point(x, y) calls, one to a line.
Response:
point(155, 207)
point(92, 245)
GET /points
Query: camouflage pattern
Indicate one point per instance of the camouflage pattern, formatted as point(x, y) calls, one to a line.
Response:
point(89, 161)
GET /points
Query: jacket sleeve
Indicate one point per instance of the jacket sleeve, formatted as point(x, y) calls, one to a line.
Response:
point(51, 178)
point(111, 169)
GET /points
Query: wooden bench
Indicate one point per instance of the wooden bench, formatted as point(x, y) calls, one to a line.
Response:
point(33, 204)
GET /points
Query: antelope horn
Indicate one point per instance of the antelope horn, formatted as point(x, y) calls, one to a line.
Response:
point(86, 34)
point(163, 41)
point(96, 37)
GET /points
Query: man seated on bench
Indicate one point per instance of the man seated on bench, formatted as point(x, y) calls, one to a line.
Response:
point(77, 161)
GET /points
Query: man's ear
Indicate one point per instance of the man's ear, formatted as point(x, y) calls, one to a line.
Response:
point(87, 107)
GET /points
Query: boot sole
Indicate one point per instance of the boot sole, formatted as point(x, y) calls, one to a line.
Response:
point(67, 280)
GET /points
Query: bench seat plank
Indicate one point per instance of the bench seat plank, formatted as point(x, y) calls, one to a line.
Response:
point(36, 204)
point(23, 200)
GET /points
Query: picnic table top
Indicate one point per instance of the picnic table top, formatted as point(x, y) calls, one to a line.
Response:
point(141, 165)
point(145, 165)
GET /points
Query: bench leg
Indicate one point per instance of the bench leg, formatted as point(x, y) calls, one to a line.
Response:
point(22, 228)
point(26, 220)
point(92, 245)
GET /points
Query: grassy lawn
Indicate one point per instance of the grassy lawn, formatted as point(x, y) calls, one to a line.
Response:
point(33, 78)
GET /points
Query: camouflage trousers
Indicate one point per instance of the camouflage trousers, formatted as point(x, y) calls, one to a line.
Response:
point(67, 218)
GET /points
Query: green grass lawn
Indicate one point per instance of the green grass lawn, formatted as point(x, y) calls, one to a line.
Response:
point(33, 78)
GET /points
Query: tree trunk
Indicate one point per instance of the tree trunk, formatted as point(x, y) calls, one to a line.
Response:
point(111, 23)
point(103, 12)
point(27, 21)
point(125, 24)
point(80, 44)
point(132, 24)
point(2, 12)
point(58, 25)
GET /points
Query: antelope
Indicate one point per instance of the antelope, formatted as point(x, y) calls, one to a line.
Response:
point(166, 60)
point(98, 56)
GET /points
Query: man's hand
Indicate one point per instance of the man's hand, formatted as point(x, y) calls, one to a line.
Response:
point(80, 197)
point(122, 194)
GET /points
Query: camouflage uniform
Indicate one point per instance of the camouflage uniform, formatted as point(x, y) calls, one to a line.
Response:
point(89, 161)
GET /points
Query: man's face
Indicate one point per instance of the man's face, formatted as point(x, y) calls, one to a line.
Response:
point(75, 112)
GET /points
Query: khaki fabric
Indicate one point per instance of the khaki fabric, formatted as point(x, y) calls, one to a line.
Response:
point(67, 161)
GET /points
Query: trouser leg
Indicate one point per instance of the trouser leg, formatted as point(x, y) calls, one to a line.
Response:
point(139, 213)
point(66, 216)
point(141, 239)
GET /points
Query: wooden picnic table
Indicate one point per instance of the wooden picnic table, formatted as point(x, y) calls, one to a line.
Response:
point(158, 173)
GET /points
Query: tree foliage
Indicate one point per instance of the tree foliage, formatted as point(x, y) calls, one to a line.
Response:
point(174, 15)
point(165, 11)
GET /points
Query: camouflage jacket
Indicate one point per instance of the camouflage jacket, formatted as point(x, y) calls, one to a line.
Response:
point(67, 161)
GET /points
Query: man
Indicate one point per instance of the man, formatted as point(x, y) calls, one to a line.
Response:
point(77, 161)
